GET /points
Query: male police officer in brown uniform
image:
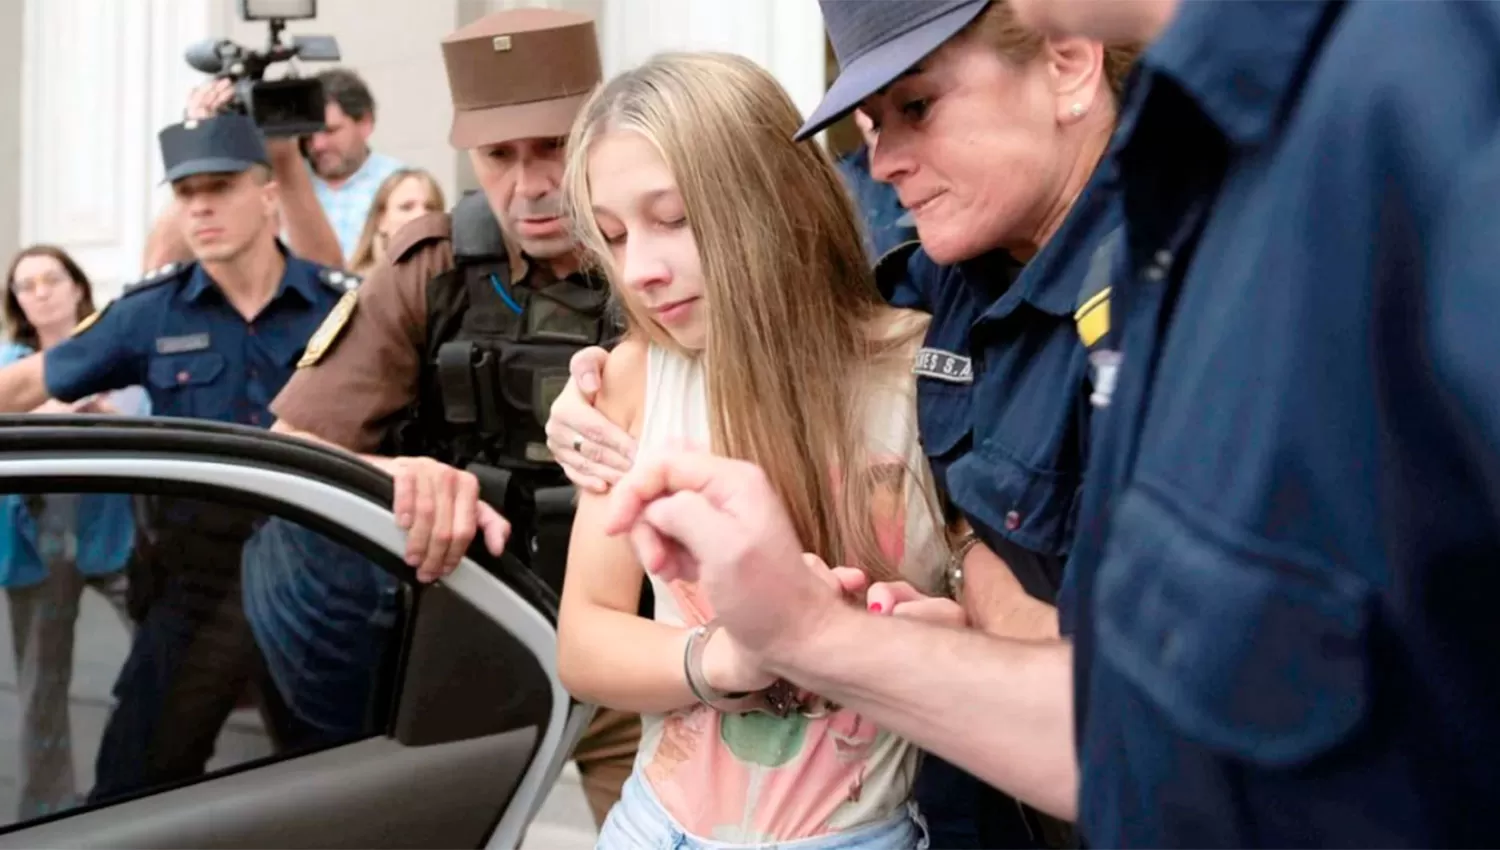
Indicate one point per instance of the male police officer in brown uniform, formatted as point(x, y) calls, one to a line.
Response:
point(450, 354)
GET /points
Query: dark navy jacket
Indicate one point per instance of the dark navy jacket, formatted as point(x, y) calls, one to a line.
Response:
point(1285, 581)
point(175, 334)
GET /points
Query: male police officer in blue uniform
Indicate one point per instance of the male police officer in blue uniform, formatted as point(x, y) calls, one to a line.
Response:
point(211, 339)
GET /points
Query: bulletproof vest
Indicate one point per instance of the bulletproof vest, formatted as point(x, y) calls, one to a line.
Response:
point(497, 350)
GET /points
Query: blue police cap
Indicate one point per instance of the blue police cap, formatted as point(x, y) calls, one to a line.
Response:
point(223, 144)
point(877, 41)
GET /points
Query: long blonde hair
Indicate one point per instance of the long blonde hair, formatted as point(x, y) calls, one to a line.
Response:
point(795, 322)
point(364, 258)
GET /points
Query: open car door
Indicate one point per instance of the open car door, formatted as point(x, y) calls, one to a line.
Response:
point(285, 684)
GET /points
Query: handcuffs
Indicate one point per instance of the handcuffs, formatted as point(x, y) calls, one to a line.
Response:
point(780, 699)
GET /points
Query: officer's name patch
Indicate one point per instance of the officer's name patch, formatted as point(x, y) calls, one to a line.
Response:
point(324, 337)
point(944, 366)
point(181, 344)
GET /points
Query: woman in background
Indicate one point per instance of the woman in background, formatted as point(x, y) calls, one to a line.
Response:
point(53, 545)
point(407, 194)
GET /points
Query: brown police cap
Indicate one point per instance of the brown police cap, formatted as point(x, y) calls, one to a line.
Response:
point(520, 74)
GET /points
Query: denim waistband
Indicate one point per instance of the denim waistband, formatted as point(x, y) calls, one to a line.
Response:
point(640, 822)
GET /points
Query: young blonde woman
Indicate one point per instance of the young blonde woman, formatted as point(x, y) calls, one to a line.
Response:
point(404, 196)
point(754, 328)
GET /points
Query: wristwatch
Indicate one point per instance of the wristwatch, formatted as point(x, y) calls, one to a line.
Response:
point(955, 576)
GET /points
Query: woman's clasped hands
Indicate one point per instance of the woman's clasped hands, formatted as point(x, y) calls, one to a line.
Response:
point(891, 598)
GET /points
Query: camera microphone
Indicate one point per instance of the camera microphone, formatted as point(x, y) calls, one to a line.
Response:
point(209, 54)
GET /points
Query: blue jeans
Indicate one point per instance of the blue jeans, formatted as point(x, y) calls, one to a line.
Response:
point(639, 822)
point(324, 618)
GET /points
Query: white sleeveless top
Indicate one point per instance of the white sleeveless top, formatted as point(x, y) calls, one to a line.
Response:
point(751, 779)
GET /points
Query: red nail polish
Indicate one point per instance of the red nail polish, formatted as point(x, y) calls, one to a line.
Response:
point(876, 607)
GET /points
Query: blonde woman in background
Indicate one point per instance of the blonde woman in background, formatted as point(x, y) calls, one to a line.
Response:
point(404, 196)
point(754, 326)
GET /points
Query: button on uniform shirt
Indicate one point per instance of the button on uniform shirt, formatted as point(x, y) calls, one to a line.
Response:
point(1002, 403)
point(348, 206)
point(1286, 574)
point(177, 335)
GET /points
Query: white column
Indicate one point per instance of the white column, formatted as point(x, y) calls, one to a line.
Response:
point(99, 79)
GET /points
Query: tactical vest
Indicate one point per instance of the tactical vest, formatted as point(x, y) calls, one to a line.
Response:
point(497, 353)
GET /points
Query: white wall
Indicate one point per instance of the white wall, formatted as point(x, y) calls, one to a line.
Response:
point(97, 81)
point(784, 36)
point(11, 23)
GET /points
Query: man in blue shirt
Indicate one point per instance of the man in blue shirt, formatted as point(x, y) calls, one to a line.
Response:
point(212, 339)
point(347, 174)
point(1280, 594)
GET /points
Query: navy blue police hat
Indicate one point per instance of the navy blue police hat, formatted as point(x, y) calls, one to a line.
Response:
point(223, 144)
point(877, 41)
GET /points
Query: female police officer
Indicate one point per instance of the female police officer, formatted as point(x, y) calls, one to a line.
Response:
point(990, 133)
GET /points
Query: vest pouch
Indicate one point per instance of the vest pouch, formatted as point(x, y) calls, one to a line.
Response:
point(564, 312)
point(532, 376)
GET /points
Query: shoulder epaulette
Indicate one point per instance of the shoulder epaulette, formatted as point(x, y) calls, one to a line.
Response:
point(890, 269)
point(338, 280)
point(430, 227)
point(1091, 315)
point(156, 277)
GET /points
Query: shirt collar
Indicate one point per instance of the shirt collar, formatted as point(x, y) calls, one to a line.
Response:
point(521, 266)
point(373, 164)
point(1240, 61)
point(1047, 282)
point(298, 277)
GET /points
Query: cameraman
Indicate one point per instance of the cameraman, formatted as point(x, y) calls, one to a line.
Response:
point(348, 173)
point(307, 230)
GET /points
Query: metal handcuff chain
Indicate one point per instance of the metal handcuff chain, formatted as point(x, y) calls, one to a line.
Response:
point(780, 699)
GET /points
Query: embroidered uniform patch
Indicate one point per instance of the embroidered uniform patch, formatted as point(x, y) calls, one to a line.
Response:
point(88, 322)
point(328, 332)
point(943, 366)
point(181, 344)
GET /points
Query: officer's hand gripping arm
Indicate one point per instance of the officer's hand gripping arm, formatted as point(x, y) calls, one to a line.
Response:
point(593, 451)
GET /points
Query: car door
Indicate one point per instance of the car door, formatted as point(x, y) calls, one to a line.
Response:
point(291, 688)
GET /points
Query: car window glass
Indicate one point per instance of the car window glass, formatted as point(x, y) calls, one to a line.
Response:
point(153, 640)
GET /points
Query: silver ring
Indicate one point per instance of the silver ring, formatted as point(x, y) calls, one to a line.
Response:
point(578, 444)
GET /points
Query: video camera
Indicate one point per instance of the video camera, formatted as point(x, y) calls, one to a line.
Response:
point(291, 106)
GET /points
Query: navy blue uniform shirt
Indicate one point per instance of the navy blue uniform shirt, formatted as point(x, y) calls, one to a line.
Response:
point(1003, 388)
point(1285, 580)
point(175, 334)
point(1002, 405)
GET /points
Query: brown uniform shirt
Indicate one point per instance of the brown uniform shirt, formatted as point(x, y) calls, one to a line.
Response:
point(368, 374)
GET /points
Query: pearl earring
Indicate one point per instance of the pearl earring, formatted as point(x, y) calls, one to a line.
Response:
point(1077, 110)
